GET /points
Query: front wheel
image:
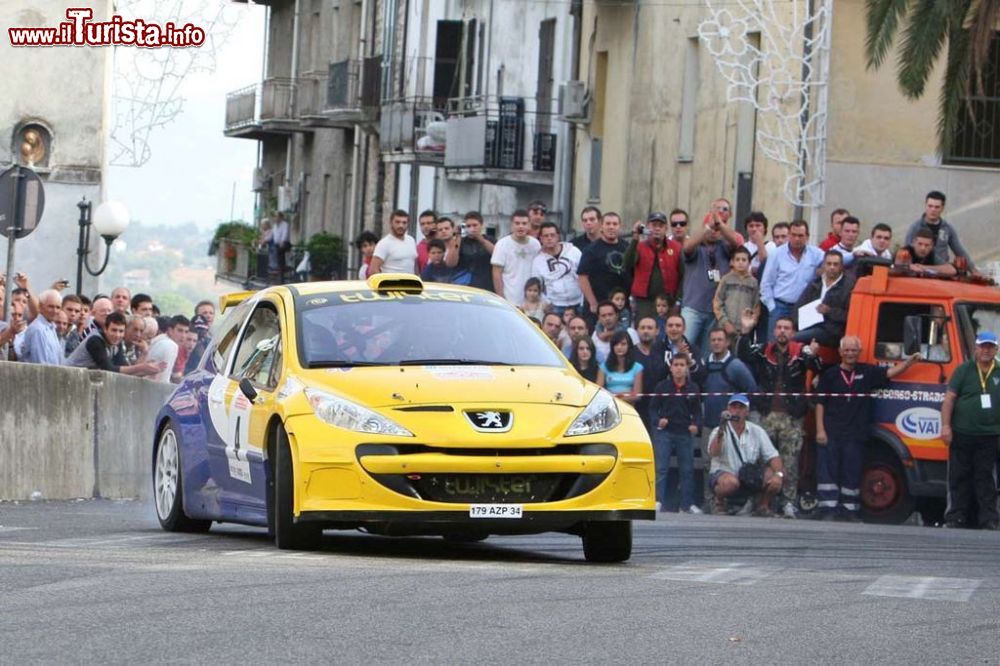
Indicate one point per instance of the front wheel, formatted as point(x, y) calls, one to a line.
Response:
point(608, 541)
point(167, 489)
point(885, 495)
point(288, 535)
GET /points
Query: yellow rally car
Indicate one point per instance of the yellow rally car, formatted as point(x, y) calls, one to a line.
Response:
point(398, 408)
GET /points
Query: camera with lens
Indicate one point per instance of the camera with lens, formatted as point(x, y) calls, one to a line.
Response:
point(729, 416)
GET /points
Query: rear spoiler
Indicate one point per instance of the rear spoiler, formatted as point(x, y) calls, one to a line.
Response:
point(231, 300)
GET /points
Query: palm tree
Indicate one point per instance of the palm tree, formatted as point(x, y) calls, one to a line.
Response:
point(965, 28)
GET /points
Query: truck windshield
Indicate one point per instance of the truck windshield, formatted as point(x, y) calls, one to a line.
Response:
point(976, 317)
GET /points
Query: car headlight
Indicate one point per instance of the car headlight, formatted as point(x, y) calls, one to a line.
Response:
point(350, 415)
point(600, 415)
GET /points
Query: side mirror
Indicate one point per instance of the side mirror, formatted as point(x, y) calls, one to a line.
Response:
point(913, 334)
point(247, 389)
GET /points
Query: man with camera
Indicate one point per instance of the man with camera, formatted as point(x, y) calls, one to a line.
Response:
point(744, 461)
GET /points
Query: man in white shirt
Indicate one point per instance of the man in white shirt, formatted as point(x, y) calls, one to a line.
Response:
point(556, 267)
point(280, 240)
point(163, 350)
point(397, 251)
point(850, 228)
point(878, 244)
point(757, 244)
point(512, 257)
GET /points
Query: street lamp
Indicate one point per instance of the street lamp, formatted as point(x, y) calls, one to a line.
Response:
point(110, 221)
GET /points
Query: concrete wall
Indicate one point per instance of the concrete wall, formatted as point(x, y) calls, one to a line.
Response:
point(68, 432)
point(66, 90)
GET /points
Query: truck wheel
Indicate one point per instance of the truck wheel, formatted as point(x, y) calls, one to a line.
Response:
point(885, 495)
point(609, 541)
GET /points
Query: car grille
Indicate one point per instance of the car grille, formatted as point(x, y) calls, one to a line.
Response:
point(488, 488)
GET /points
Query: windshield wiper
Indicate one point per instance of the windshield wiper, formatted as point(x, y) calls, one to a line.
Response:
point(342, 364)
point(450, 361)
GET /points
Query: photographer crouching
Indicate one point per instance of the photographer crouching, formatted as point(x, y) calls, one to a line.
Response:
point(744, 461)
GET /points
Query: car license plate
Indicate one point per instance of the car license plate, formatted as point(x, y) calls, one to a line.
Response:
point(496, 511)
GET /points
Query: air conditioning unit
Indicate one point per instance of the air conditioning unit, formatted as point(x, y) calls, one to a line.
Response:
point(573, 101)
point(260, 179)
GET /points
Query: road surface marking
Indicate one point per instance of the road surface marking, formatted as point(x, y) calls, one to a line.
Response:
point(924, 587)
point(733, 573)
point(4, 529)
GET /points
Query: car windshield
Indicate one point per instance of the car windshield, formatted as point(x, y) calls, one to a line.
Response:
point(365, 328)
point(974, 318)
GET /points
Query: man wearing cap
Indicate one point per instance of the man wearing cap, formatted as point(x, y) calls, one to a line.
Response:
point(970, 426)
point(536, 216)
point(843, 419)
point(754, 447)
point(655, 264)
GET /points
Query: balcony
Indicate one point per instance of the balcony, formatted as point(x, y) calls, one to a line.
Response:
point(412, 131)
point(344, 96)
point(500, 141)
point(262, 110)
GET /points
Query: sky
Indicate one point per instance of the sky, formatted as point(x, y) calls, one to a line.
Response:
point(193, 167)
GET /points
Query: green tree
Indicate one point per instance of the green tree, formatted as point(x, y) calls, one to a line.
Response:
point(961, 29)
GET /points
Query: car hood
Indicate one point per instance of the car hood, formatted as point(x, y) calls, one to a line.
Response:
point(395, 386)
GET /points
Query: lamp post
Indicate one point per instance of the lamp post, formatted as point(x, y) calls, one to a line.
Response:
point(110, 221)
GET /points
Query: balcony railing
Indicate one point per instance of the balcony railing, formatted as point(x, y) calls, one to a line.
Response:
point(412, 130)
point(500, 140)
point(252, 108)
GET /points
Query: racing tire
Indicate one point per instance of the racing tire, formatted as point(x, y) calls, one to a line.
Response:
point(885, 494)
point(168, 492)
point(288, 535)
point(607, 541)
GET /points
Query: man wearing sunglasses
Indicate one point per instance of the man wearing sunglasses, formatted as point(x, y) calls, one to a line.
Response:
point(678, 225)
point(655, 263)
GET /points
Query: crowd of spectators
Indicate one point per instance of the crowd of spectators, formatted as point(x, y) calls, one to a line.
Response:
point(709, 331)
point(120, 332)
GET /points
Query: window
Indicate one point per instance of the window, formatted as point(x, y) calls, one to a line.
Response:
point(224, 331)
point(977, 134)
point(260, 346)
point(976, 317)
point(935, 343)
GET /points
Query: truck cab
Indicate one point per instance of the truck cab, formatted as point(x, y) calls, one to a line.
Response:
point(895, 314)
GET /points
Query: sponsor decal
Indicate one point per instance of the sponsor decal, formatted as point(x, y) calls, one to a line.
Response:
point(459, 373)
point(920, 423)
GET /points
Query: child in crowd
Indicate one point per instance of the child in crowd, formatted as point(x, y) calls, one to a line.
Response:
point(619, 297)
point(365, 243)
point(584, 358)
point(534, 305)
point(737, 291)
point(675, 415)
point(436, 270)
point(662, 312)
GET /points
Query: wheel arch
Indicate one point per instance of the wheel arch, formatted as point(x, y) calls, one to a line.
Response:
point(882, 438)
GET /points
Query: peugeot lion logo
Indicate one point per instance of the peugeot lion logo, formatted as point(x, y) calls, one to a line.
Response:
point(490, 421)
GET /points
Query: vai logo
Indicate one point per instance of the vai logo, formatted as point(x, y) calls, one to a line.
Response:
point(920, 423)
point(490, 420)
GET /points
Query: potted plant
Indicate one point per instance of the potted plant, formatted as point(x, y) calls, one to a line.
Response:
point(226, 239)
point(325, 255)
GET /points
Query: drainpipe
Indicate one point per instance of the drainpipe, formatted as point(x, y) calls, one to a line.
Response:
point(354, 220)
point(291, 99)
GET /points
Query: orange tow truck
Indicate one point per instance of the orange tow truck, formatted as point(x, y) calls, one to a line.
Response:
point(897, 313)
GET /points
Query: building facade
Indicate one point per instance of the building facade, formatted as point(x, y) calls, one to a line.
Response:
point(659, 133)
point(60, 133)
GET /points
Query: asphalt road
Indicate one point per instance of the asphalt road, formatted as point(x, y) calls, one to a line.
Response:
point(97, 581)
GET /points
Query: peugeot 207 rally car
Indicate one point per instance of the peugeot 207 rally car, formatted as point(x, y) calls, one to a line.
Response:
point(398, 408)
